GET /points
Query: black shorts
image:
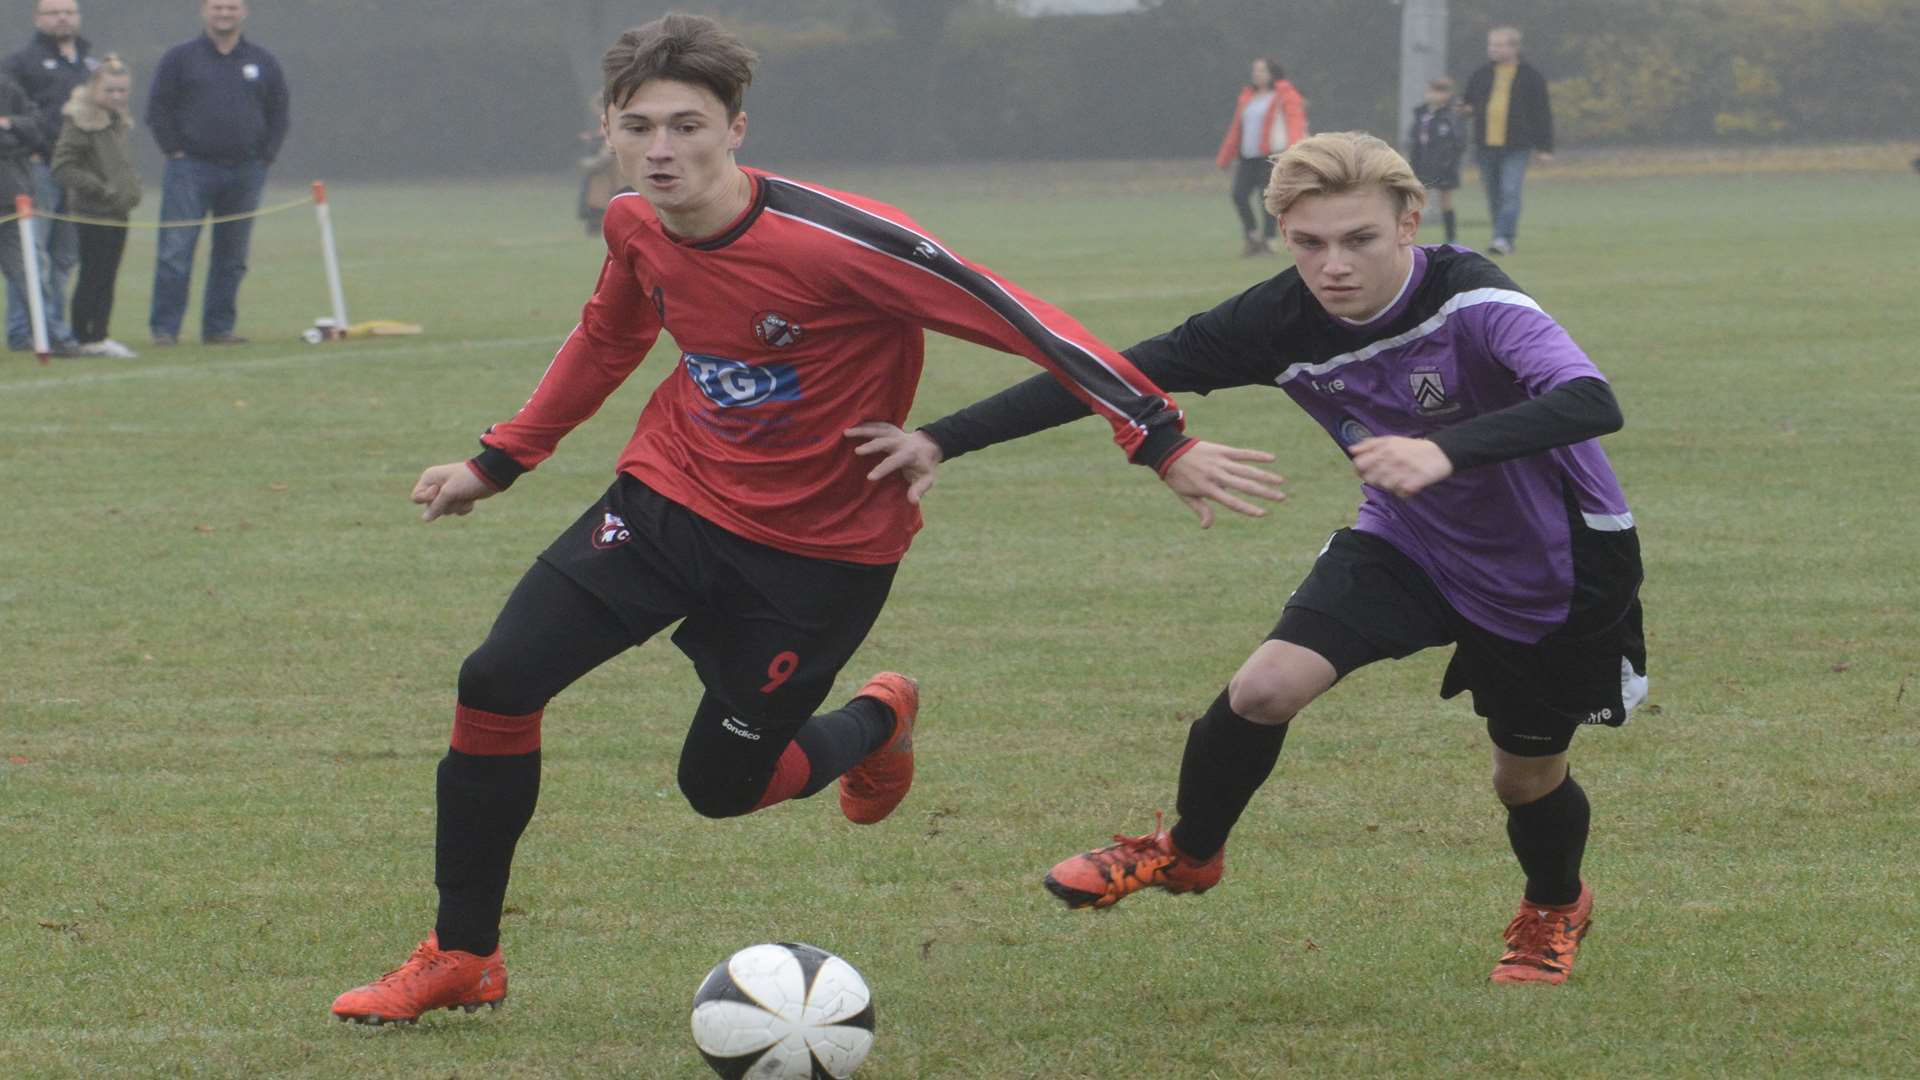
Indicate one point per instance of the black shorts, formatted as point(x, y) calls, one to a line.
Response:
point(1442, 179)
point(1365, 601)
point(767, 630)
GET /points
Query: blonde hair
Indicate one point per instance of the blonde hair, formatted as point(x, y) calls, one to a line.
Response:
point(1337, 162)
point(110, 64)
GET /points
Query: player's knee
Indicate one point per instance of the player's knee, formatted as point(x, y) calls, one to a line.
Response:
point(1266, 697)
point(490, 686)
point(1525, 781)
point(712, 797)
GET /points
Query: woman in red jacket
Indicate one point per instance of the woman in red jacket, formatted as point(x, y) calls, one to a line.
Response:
point(1269, 117)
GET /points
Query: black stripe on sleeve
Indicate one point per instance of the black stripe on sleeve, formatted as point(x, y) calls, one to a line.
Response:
point(1145, 411)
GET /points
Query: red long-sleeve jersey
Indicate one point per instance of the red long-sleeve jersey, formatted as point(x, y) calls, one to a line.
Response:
point(801, 319)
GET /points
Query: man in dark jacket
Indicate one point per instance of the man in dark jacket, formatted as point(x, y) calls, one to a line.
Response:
point(218, 109)
point(48, 68)
point(1512, 119)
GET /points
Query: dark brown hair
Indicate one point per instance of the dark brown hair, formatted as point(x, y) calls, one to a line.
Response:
point(685, 48)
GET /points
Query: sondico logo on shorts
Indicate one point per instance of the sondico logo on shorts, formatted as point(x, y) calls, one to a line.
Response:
point(732, 384)
point(611, 532)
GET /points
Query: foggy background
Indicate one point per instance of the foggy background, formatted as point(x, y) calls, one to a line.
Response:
point(430, 88)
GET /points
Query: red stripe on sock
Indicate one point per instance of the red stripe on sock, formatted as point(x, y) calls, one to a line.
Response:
point(789, 776)
point(494, 735)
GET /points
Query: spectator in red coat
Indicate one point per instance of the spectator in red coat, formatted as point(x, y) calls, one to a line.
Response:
point(1269, 117)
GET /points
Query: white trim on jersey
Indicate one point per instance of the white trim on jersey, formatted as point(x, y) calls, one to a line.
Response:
point(1609, 522)
point(1470, 298)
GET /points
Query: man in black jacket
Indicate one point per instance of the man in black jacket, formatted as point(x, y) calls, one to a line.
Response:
point(48, 68)
point(1512, 120)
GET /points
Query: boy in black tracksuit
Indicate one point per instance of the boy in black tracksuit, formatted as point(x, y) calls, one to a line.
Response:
point(1435, 143)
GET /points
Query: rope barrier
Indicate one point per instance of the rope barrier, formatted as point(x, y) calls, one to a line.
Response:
point(323, 329)
point(78, 219)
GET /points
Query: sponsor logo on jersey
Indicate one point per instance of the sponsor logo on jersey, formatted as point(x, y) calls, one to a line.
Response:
point(611, 532)
point(250, 72)
point(732, 384)
point(1430, 394)
point(775, 330)
point(1351, 431)
point(925, 250)
point(737, 728)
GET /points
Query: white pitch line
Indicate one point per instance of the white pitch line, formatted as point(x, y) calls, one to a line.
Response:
point(308, 354)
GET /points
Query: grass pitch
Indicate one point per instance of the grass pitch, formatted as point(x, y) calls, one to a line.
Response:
point(228, 646)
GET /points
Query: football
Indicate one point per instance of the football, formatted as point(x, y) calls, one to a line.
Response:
point(783, 1011)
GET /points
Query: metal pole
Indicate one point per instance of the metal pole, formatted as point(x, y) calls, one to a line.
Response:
point(30, 256)
point(1423, 55)
point(332, 258)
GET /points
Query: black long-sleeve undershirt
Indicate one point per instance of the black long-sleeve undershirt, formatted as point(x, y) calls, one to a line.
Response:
point(1572, 412)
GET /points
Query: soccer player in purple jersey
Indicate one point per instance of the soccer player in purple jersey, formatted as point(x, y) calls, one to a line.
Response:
point(1491, 521)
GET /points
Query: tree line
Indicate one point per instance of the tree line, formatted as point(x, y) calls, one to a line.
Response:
point(487, 87)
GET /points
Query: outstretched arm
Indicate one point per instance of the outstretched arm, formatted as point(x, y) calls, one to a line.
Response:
point(1210, 351)
point(1213, 350)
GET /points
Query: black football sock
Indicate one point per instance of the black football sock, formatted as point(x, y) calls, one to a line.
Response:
point(1447, 216)
point(484, 805)
point(1228, 757)
point(1549, 837)
point(836, 741)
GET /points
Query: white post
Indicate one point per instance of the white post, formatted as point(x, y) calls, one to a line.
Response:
point(30, 256)
point(1423, 55)
point(332, 258)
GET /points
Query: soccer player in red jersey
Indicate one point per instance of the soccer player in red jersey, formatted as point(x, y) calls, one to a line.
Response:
point(740, 509)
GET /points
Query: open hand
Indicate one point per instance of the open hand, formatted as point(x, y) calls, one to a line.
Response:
point(1218, 473)
point(913, 455)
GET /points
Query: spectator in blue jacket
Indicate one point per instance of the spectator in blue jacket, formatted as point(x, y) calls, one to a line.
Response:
point(218, 109)
point(48, 68)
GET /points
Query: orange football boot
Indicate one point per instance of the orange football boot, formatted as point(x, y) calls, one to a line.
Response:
point(1104, 877)
point(870, 790)
point(1541, 941)
point(432, 978)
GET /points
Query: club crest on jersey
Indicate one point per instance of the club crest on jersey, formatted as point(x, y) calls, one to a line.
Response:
point(611, 532)
point(732, 384)
point(1430, 394)
point(775, 330)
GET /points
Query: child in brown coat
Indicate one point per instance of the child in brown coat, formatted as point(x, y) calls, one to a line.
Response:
point(93, 160)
